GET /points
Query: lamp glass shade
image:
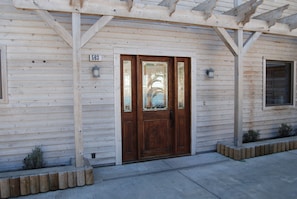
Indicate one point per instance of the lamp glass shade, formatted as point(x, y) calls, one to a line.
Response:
point(210, 73)
point(96, 71)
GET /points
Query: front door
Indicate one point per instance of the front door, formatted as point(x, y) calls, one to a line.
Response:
point(155, 107)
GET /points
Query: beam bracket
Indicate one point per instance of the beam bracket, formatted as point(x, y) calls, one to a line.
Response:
point(206, 7)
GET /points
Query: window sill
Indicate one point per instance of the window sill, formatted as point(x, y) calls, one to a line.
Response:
point(277, 108)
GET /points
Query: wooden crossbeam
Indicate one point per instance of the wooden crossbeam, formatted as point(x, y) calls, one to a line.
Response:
point(95, 28)
point(206, 7)
point(156, 13)
point(171, 4)
point(232, 45)
point(244, 11)
point(272, 16)
point(227, 39)
point(250, 41)
point(290, 20)
point(58, 28)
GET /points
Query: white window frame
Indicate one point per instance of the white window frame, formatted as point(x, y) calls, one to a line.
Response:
point(293, 105)
point(3, 74)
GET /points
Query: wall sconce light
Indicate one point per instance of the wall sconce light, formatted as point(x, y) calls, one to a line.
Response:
point(210, 73)
point(96, 71)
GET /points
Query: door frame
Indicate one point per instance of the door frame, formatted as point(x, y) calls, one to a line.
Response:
point(117, 91)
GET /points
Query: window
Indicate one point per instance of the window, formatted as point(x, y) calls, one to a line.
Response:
point(3, 75)
point(279, 83)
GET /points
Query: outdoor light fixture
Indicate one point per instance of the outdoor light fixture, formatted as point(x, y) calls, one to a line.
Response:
point(96, 71)
point(210, 73)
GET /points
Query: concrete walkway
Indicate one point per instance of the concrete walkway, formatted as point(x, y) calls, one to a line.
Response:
point(203, 176)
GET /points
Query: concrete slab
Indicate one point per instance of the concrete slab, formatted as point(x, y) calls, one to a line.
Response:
point(161, 185)
point(293, 151)
point(141, 168)
point(272, 177)
point(198, 160)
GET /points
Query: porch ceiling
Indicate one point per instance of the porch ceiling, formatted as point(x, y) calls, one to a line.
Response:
point(252, 15)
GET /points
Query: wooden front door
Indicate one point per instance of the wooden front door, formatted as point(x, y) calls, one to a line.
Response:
point(155, 107)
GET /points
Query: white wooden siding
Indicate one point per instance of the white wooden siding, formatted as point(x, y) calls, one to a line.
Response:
point(40, 109)
point(40, 91)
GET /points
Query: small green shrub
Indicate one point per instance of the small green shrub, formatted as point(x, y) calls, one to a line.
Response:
point(251, 136)
point(285, 130)
point(34, 160)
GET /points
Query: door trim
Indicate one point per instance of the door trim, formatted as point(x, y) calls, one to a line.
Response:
point(117, 91)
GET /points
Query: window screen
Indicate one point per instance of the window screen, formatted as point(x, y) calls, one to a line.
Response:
point(279, 84)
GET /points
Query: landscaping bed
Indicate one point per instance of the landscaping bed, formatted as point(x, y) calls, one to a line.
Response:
point(25, 182)
point(255, 149)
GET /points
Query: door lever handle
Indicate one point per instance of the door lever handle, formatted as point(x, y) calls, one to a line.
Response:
point(171, 117)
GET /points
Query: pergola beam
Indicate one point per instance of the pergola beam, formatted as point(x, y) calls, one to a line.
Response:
point(171, 4)
point(244, 11)
point(272, 16)
point(206, 7)
point(156, 13)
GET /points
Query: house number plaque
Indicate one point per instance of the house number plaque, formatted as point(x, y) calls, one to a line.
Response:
point(95, 57)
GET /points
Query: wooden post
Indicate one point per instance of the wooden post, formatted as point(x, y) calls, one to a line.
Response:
point(63, 180)
point(89, 176)
point(238, 86)
point(4, 187)
point(25, 185)
point(53, 181)
point(77, 104)
point(44, 183)
point(34, 184)
point(71, 179)
point(14, 184)
point(80, 177)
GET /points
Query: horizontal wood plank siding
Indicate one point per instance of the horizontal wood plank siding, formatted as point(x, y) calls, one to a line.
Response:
point(40, 91)
point(39, 111)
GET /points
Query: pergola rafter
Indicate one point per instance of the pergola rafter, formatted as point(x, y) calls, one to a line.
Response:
point(171, 4)
point(272, 16)
point(244, 11)
point(291, 21)
point(206, 7)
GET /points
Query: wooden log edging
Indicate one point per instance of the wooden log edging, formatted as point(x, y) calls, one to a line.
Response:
point(21, 183)
point(255, 149)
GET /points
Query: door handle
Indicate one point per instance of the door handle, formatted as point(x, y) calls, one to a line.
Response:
point(171, 117)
